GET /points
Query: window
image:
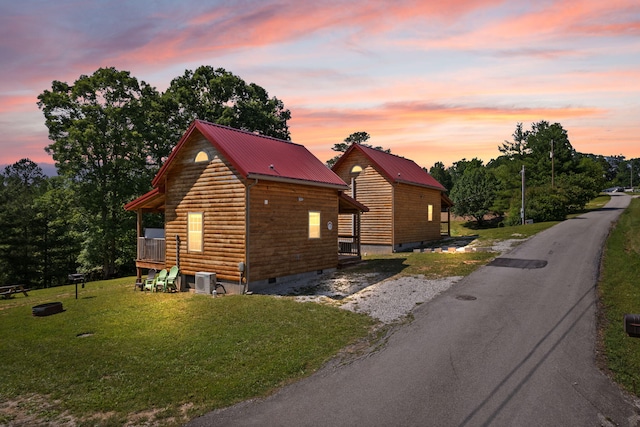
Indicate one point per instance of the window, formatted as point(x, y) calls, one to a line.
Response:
point(356, 169)
point(430, 213)
point(202, 157)
point(195, 234)
point(314, 225)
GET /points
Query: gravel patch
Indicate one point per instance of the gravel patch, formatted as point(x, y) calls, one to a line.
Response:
point(393, 299)
point(388, 299)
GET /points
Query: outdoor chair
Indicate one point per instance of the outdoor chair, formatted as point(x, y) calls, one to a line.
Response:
point(160, 279)
point(172, 278)
point(148, 283)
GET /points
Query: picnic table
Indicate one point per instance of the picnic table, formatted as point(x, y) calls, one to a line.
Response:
point(7, 291)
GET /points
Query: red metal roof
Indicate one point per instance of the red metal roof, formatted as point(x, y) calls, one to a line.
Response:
point(348, 204)
point(260, 157)
point(395, 168)
point(153, 201)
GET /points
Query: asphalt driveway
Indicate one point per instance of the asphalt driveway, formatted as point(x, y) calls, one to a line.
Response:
point(512, 344)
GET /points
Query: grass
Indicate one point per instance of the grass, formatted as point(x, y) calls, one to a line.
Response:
point(430, 265)
point(619, 294)
point(165, 357)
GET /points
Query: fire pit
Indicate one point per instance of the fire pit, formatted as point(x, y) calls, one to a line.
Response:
point(46, 309)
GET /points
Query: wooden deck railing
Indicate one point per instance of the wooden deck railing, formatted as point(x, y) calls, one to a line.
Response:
point(151, 249)
point(348, 245)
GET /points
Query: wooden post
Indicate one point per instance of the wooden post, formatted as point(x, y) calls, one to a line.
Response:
point(138, 235)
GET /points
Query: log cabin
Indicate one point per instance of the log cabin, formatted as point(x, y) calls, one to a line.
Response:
point(251, 209)
point(404, 201)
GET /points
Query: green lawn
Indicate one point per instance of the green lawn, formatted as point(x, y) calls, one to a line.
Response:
point(169, 357)
point(619, 294)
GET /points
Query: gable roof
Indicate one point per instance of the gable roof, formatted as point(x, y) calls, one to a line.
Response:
point(260, 157)
point(395, 168)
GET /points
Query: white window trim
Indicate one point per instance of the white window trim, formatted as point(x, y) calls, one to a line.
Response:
point(317, 227)
point(201, 248)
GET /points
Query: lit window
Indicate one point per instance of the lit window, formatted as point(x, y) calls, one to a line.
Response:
point(430, 210)
point(356, 169)
point(202, 157)
point(314, 225)
point(194, 236)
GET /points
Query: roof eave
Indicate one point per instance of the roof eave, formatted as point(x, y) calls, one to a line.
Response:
point(297, 181)
point(352, 203)
point(173, 154)
point(344, 155)
point(417, 184)
point(145, 202)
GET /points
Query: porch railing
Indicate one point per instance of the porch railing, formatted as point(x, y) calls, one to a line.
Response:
point(151, 249)
point(348, 245)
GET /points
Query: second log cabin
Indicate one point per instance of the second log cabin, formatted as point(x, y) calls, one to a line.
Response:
point(404, 201)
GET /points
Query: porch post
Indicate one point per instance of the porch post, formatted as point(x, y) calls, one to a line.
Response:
point(138, 235)
point(357, 233)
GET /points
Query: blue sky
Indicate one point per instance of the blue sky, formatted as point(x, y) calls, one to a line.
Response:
point(433, 81)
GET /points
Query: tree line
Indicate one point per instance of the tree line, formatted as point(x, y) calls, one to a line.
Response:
point(558, 180)
point(110, 133)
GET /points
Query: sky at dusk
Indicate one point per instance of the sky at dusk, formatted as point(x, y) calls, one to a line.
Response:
point(431, 80)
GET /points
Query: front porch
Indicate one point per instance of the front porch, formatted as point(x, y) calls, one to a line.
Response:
point(151, 253)
point(348, 250)
point(350, 209)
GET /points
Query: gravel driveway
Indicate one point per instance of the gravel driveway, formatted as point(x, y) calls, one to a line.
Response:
point(388, 299)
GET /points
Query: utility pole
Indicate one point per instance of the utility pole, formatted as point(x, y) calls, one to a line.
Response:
point(522, 215)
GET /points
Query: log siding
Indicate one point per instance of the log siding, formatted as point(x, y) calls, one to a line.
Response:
point(213, 188)
point(279, 243)
point(411, 214)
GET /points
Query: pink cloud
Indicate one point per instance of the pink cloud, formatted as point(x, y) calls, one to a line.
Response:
point(224, 29)
point(429, 132)
point(530, 30)
point(26, 145)
point(17, 103)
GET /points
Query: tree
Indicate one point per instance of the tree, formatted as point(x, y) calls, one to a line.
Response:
point(626, 173)
point(458, 168)
point(516, 149)
point(473, 193)
point(97, 126)
point(354, 138)
point(549, 152)
point(218, 96)
point(61, 239)
point(442, 175)
point(23, 182)
point(559, 180)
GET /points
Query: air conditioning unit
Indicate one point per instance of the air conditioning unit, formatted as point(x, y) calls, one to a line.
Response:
point(205, 283)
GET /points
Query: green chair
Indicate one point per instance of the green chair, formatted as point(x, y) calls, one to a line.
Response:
point(150, 281)
point(170, 282)
point(160, 279)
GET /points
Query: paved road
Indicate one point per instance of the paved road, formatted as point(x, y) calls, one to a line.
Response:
point(509, 345)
